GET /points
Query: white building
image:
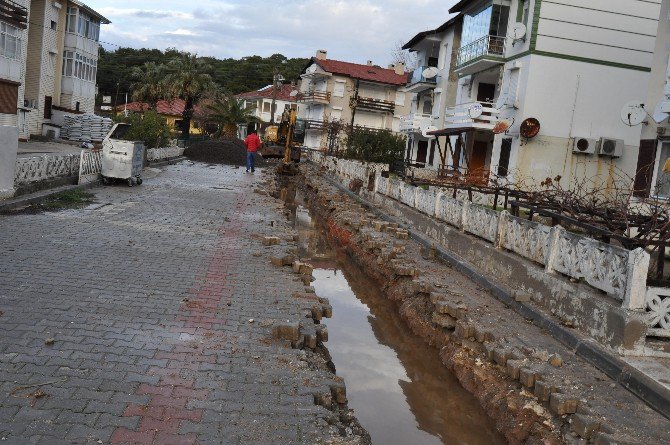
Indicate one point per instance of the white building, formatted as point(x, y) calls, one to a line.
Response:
point(62, 61)
point(571, 66)
point(435, 55)
point(13, 50)
point(261, 100)
point(653, 174)
point(366, 96)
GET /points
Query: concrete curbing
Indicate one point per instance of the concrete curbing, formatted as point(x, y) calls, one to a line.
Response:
point(651, 392)
point(33, 198)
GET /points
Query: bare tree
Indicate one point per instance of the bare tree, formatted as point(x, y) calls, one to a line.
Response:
point(399, 55)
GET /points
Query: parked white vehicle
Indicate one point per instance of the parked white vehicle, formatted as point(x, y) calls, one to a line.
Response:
point(122, 159)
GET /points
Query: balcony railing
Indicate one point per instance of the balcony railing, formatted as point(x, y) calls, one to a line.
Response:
point(316, 96)
point(415, 122)
point(486, 46)
point(465, 116)
point(314, 124)
point(418, 77)
point(14, 14)
point(368, 103)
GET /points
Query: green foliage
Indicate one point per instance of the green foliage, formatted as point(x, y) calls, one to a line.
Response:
point(150, 128)
point(374, 145)
point(149, 83)
point(232, 75)
point(228, 113)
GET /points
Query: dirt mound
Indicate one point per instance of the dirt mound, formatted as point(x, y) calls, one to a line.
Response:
point(229, 151)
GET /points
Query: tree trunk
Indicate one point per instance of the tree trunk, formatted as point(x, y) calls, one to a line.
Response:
point(187, 115)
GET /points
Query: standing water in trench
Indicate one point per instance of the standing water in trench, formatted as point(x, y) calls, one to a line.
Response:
point(399, 390)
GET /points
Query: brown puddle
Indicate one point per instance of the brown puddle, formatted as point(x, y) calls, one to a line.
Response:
point(396, 385)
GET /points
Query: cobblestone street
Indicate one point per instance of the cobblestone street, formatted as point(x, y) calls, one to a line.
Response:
point(147, 318)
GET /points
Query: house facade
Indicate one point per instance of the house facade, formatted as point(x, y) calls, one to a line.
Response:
point(431, 88)
point(62, 61)
point(13, 50)
point(566, 69)
point(353, 94)
point(653, 177)
point(171, 110)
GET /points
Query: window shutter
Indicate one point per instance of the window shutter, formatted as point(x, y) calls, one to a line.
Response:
point(9, 96)
point(338, 90)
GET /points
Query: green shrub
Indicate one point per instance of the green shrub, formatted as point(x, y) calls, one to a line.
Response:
point(381, 146)
point(150, 128)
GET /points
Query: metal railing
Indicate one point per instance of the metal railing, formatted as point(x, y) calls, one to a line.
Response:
point(314, 124)
point(418, 77)
point(414, 122)
point(486, 46)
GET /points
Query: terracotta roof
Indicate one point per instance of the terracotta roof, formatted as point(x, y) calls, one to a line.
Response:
point(284, 93)
point(363, 72)
point(173, 107)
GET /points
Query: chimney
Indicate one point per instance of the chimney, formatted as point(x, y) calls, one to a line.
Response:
point(369, 62)
point(321, 54)
point(399, 68)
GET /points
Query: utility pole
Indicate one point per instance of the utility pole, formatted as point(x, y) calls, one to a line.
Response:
point(276, 83)
point(354, 105)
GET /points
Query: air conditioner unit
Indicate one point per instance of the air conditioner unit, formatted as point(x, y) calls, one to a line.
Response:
point(584, 146)
point(611, 147)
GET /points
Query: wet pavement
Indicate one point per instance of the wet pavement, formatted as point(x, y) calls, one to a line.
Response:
point(396, 384)
point(147, 319)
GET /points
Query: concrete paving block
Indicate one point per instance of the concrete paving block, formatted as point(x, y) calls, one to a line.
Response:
point(544, 389)
point(322, 333)
point(464, 330)
point(287, 331)
point(585, 426)
point(513, 368)
point(489, 348)
point(501, 355)
point(527, 377)
point(611, 439)
point(271, 241)
point(339, 392)
point(562, 404)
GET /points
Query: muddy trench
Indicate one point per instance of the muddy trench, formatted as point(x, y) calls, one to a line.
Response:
point(400, 391)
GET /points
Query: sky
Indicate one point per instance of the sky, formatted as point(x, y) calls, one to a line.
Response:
point(351, 30)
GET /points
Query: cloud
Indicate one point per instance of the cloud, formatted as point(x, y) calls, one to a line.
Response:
point(353, 30)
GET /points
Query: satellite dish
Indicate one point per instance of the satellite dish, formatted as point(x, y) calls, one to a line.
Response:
point(293, 93)
point(633, 113)
point(519, 31)
point(475, 110)
point(430, 72)
point(502, 126)
point(428, 129)
point(660, 115)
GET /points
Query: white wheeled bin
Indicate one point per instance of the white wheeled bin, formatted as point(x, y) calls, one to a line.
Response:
point(122, 159)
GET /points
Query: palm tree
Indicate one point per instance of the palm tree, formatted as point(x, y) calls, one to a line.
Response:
point(228, 113)
point(187, 79)
point(149, 85)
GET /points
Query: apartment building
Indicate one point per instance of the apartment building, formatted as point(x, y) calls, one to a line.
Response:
point(355, 94)
point(62, 61)
point(564, 68)
point(432, 88)
point(13, 49)
point(653, 168)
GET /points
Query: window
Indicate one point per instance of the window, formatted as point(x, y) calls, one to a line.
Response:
point(77, 106)
point(400, 99)
point(338, 89)
point(71, 19)
point(54, 25)
point(525, 12)
point(503, 161)
point(445, 57)
point(81, 67)
point(428, 106)
point(48, 102)
point(80, 23)
point(10, 41)
point(266, 107)
point(336, 115)
point(9, 96)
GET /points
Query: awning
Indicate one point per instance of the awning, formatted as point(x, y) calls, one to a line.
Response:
point(451, 131)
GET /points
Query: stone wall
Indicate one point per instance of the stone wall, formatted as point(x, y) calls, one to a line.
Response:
point(619, 273)
point(162, 154)
point(44, 168)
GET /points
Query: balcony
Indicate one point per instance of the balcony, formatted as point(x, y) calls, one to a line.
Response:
point(316, 97)
point(419, 83)
point(460, 116)
point(481, 55)
point(314, 125)
point(370, 104)
point(415, 122)
point(14, 14)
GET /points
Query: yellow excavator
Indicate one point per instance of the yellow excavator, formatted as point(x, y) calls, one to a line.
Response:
point(284, 141)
